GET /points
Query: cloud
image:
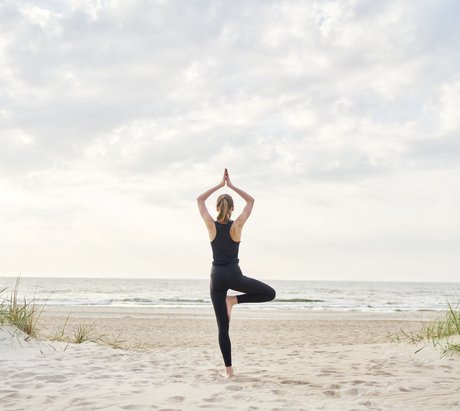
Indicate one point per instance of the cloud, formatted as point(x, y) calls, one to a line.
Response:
point(90, 72)
point(144, 102)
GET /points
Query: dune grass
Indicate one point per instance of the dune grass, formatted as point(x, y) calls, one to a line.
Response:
point(81, 334)
point(115, 341)
point(85, 332)
point(23, 314)
point(438, 331)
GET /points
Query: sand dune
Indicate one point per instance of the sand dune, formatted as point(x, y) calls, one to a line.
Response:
point(292, 361)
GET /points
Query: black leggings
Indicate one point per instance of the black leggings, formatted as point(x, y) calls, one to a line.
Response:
point(228, 277)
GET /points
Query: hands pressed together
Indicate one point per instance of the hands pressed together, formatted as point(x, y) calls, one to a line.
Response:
point(226, 180)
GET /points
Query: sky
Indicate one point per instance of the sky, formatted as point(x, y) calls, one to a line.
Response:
point(341, 118)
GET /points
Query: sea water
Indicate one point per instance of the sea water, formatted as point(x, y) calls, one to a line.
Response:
point(290, 295)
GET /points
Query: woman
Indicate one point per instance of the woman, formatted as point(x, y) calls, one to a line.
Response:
point(225, 236)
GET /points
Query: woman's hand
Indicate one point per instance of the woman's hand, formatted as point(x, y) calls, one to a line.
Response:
point(227, 178)
point(224, 179)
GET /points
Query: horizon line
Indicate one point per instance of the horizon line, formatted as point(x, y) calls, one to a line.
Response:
point(201, 278)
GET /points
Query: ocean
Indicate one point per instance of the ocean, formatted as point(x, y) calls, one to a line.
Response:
point(291, 295)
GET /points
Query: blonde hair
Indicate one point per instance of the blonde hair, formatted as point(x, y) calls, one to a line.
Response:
point(224, 207)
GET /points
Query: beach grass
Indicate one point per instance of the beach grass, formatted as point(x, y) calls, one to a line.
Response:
point(438, 332)
point(82, 333)
point(21, 313)
point(25, 313)
point(115, 341)
point(59, 334)
point(85, 332)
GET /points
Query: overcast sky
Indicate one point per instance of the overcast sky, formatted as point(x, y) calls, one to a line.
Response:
point(342, 119)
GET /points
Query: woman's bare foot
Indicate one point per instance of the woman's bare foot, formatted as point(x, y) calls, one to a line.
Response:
point(229, 371)
point(231, 300)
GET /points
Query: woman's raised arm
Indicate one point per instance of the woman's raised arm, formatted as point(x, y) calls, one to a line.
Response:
point(202, 205)
point(242, 218)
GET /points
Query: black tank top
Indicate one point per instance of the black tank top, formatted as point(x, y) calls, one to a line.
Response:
point(224, 249)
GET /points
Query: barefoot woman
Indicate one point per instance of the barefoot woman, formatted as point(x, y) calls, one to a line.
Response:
point(226, 274)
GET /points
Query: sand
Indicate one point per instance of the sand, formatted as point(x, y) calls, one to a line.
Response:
point(171, 361)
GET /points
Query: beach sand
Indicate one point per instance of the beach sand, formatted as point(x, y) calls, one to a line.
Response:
point(282, 361)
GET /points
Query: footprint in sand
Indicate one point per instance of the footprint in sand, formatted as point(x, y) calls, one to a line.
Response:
point(234, 388)
point(19, 386)
point(12, 395)
point(213, 399)
point(352, 391)
point(247, 379)
point(3, 392)
point(176, 398)
point(22, 375)
point(366, 403)
point(80, 402)
point(293, 353)
point(295, 382)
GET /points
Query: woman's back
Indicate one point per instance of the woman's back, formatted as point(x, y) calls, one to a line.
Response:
point(224, 248)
